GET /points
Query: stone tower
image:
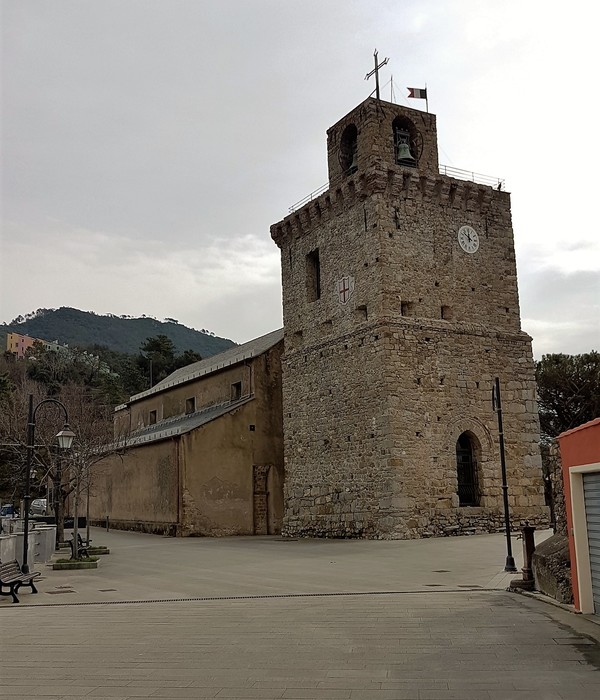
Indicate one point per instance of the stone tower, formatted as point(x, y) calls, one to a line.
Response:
point(400, 307)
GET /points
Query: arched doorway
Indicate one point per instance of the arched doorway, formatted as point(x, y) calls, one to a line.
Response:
point(466, 469)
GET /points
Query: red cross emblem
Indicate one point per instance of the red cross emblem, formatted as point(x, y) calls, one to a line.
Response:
point(345, 288)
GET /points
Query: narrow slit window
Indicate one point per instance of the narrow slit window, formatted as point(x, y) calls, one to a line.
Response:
point(349, 150)
point(236, 391)
point(190, 405)
point(313, 275)
point(467, 471)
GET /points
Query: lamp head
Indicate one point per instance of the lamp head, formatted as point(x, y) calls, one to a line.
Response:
point(65, 437)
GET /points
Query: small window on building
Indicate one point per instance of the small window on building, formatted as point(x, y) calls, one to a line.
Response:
point(313, 275)
point(407, 308)
point(236, 391)
point(467, 471)
point(152, 418)
point(446, 313)
point(361, 313)
point(190, 405)
point(349, 150)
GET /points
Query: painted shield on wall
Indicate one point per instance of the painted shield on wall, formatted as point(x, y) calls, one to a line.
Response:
point(345, 289)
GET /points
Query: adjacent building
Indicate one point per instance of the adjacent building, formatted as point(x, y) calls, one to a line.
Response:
point(18, 344)
point(580, 456)
point(202, 451)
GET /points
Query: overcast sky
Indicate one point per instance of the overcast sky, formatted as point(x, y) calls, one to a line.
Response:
point(148, 145)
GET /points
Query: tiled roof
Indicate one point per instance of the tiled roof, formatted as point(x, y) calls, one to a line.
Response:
point(233, 356)
point(181, 424)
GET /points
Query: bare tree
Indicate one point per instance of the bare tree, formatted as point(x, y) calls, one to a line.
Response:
point(69, 475)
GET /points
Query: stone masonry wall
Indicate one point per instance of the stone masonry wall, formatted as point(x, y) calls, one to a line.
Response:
point(396, 356)
point(367, 459)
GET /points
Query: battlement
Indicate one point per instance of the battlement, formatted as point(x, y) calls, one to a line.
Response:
point(399, 184)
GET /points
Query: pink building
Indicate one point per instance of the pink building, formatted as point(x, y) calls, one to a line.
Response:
point(18, 344)
point(580, 455)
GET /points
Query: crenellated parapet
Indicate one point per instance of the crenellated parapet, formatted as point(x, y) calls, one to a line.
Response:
point(398, 185)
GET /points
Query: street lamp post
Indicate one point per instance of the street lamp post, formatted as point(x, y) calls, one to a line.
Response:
point(497, 405)
point(65, 440)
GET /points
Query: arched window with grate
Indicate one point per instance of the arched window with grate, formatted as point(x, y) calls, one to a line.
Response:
point(349, 150)
point(466, 468)
point(405, 147)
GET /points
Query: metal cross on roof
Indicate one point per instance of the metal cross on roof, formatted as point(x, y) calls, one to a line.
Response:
point(375, 72)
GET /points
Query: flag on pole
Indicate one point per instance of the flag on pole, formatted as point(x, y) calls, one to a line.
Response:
point(417, 93)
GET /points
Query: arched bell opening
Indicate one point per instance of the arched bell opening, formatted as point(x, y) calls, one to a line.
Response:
point(405, 142)
point(349, 150)
point(468, 452)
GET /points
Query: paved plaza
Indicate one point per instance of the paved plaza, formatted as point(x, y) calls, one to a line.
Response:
point(265, 618)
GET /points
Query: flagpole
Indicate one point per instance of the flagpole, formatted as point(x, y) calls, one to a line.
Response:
point(426, 99)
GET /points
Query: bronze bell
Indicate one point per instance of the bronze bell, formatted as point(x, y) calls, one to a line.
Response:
point(403, 152)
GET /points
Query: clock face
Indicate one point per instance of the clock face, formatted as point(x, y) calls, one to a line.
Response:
point(468, 239)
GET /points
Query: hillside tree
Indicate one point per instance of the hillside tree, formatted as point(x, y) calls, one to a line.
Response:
point(568, 388)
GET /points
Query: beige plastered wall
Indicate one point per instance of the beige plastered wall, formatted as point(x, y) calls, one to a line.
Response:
point(219, 460)
point(138, 489)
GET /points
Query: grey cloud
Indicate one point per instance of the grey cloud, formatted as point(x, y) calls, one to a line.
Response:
point(561, 310)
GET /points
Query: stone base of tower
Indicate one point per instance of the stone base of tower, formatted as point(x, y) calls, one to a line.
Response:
point(387, 526)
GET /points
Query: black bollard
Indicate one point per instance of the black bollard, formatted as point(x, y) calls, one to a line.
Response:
point(526, 583)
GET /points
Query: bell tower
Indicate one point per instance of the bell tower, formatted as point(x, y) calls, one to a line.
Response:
point(363, 137)
point(400, 307)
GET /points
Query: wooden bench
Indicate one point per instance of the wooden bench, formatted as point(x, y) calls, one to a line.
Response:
point(12, 577)
point(82, 547)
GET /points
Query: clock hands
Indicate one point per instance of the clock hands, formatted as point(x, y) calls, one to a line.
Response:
point(468, 239)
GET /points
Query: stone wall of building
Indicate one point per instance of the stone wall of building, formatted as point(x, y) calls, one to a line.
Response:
point(393, 337)
point(373, 454)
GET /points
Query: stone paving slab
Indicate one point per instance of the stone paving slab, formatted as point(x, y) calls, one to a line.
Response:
point(320, 619)
point(479, 645)
point(150, 567)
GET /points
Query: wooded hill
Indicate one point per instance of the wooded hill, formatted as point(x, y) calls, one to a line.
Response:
point(85, 329)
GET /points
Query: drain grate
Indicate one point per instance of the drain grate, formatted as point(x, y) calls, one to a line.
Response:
point(59, 592)
point(265, 596)
point(441, 571)
point(106, 590)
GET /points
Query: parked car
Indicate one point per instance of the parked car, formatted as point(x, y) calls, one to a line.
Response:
point(39, 506)
point(8, 511)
